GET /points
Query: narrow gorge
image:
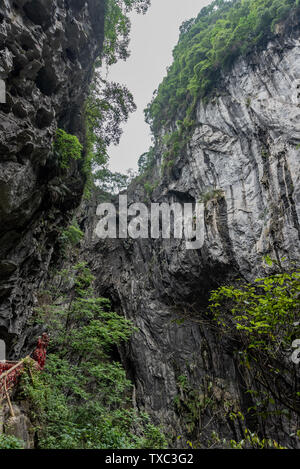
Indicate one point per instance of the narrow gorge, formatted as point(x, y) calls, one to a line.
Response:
point(233, 148)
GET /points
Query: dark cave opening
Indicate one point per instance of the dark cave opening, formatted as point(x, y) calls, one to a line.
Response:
point(46, 81)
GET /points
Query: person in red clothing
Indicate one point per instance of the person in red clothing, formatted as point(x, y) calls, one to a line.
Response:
point(40, 352)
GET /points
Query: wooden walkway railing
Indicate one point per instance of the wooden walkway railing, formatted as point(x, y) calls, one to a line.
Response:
point(9, 378)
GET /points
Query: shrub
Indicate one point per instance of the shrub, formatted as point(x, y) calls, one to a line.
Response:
point(71, 236)
point(66, 147)
point(10, 442)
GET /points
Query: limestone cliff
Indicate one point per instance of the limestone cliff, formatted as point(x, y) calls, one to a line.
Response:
point(47, 52)
point(242, 160)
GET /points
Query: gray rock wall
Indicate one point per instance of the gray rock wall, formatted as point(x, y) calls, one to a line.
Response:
point(243, 161)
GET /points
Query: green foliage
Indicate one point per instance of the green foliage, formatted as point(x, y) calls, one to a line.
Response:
point(209, 44)
point(66, 147)
point(109, 103)
point(107, 107)
point(117, 28)
point(263, 314)
point(71, 236)
point(264, 154)
point(146, 161)
point(252, 441)
point(149, 188)
point(177, 140)
point(212, 194)
point(83, 398)
point(10, 442)
point(110, 181)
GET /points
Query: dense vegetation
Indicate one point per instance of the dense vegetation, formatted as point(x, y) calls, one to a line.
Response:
point(265, 315)
point(209, 44)
point(260, 321)
point(258, 326)
point(109, 103)
point(83, 398)
point(107, 107)
point(66, 147)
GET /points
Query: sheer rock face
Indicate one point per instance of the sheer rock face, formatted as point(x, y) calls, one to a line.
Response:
point(47, 51)
point(243, 161)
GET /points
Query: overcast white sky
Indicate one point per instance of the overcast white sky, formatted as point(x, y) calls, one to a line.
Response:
point(153, 37)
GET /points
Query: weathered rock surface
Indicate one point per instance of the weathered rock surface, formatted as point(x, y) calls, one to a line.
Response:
point(243, 161)
point(47, 51)
point(18, 425)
